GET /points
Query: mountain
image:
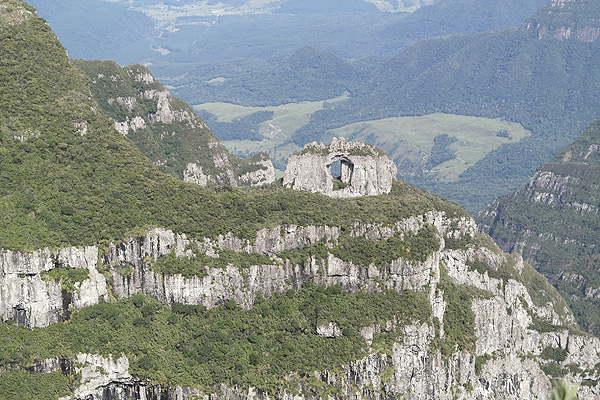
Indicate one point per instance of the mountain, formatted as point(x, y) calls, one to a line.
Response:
point(167, 130)
point(308, 74)
point(546, 82)
point(553, 222)
point(120, 281)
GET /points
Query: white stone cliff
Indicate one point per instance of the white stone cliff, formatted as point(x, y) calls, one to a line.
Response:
point(507, 348)
point(364, 169)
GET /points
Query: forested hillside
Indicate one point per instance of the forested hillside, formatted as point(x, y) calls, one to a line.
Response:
point(120, 281)
point(553, 222)
point(548, 85)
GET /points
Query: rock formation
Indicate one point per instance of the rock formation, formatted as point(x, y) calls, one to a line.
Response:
point(505, 362)
point(553, 222)
point(167, 130)
point(364, 169)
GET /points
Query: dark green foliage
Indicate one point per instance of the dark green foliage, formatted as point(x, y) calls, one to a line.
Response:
point(540, 325)
point(554, 353)
point(111, 187)
point(170, 264)
point(171, 145)
point(66, 276)
point(459, 318)
point(18, 385)
point(480, 362)
point(362, 251)
point(189, 345)
point(440, 152)
point(123, 93)
point(503, 133)
point(554, 370)
point(243, 128)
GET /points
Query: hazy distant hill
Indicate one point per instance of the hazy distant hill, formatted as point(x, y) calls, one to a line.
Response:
point(547, 82)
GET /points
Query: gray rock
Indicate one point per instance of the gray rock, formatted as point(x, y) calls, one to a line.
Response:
point(365, 170)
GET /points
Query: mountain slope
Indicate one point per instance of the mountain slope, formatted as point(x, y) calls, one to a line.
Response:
point(167, 130)
point(547, 84)
point(156, 288)
point(553, 222)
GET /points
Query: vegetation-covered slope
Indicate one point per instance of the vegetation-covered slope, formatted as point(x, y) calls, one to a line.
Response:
point(164, 128)
point(553, 222)
point(548, 85)
point(68, 178)
point(547, 82)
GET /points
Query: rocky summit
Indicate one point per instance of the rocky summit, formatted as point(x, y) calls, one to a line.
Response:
point(364, 170)
point(119, 280)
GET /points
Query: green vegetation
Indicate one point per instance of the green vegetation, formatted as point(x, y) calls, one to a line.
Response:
point(17, 385)
point(554, 370)
point(512, 75)
point(559, 235)
point(59, 187)
point(171, 142)
point(273, 134)
point(563, 391)
point(362, 251)
point(440, 152)
point(459, 318)
point(66, 276)
point(170, 264)
point(480, 362)
point(188, 345)
point(554, 353)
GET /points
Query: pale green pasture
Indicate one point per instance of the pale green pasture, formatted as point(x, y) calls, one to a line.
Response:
point(287, 118)
point(411, 138)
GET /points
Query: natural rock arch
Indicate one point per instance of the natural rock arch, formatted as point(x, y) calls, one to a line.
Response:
point(364, 169)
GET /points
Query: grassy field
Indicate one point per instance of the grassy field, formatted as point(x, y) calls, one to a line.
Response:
point(410, 139)
point(407, 140)
point(287, 118)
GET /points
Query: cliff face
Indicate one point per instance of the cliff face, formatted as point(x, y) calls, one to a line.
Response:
point(31, 299)
point(167, 130)
point(465, 320)
point(566, 20)
point(505, 362)
point(553, 222)
point(364, 169)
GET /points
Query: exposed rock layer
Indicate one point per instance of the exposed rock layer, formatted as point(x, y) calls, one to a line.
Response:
point(364, 169)
point(507, 347)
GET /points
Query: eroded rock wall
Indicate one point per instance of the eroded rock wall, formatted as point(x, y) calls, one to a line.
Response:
point(364, 169)
point(505, 362)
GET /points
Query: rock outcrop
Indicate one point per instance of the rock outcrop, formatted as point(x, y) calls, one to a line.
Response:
point(555, 21)
point(504, 363)
point(364, 169)
point(553, 222)
point(167, 130)
point(32, 300)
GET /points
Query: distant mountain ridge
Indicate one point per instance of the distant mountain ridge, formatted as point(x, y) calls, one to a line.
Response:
point(553, 223)
point(548, 85)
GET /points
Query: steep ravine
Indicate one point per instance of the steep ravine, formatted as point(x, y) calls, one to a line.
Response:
point(505, 362)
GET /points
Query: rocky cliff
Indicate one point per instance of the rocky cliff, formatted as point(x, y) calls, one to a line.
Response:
point(153, 288)
point(506, 360)
point(556, 21)
point(553, 222)
point(364, 169)
point(167, 130)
